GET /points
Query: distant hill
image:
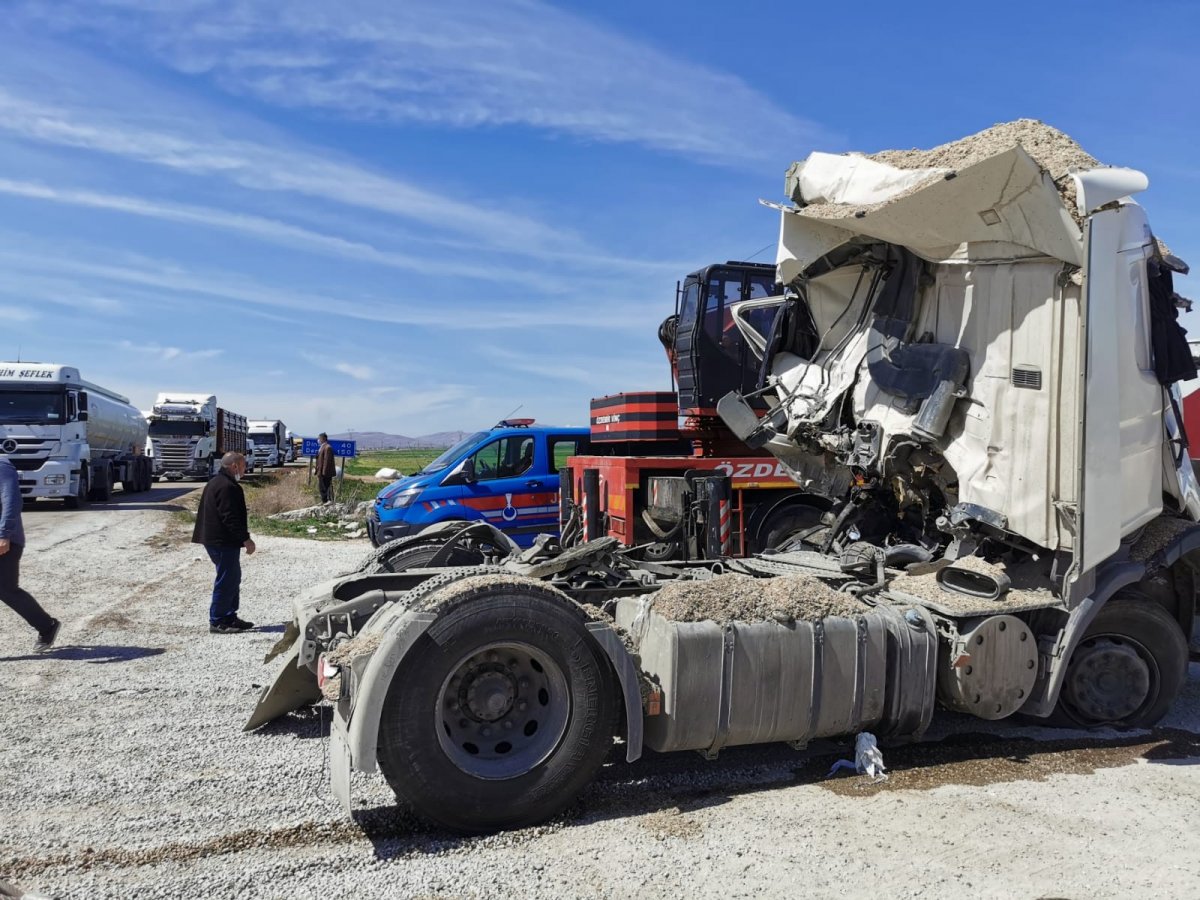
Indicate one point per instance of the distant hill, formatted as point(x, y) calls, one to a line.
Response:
point(380, 440)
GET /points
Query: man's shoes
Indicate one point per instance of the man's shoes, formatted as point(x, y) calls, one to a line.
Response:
point(45, 639)
point(231, 625)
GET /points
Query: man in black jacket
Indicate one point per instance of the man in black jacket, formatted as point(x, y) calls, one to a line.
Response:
point(221, 526)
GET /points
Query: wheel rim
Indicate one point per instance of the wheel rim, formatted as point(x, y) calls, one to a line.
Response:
point(502, 710)
point(1112, 679)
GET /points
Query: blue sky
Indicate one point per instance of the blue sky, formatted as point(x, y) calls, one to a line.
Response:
point(412, 217)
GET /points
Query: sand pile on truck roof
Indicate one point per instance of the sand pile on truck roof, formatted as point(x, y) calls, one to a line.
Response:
point(1053, 150)
point(740, 598)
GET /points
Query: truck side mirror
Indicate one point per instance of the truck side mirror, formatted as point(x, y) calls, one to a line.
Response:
point(463, 473)
point(83, 406)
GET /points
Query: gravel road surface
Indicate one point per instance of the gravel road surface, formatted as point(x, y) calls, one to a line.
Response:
point(125, 773)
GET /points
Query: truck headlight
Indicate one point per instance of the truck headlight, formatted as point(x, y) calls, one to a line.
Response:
point(403, 499)
point(55, 479)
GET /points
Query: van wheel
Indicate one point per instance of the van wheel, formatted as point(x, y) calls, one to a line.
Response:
point(1128, 669)
point(500, 713)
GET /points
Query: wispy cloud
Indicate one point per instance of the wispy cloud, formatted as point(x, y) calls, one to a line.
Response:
point(455, 313)
point(16, 314)
point(457, 63)
point(276, 232)
point(256, 166)
point(357, 371)
point(168, 354)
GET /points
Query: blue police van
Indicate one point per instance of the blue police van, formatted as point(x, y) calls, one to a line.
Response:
point(506, 476)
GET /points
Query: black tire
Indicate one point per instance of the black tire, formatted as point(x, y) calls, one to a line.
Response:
point(784, 523)
point(419, 556)
point(134, 484)
point(81, 498)
point(424, 755)
point(1127, 670)
point(102, 489)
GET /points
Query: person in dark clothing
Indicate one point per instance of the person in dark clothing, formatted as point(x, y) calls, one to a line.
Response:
point(12, 546)
point(326, 468)
point(222, 527)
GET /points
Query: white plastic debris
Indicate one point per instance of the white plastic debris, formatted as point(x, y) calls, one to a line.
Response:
point(389, 474)
point(868, 759)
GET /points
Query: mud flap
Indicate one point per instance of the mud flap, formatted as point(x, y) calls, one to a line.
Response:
point(339, 762)
point(293, 688)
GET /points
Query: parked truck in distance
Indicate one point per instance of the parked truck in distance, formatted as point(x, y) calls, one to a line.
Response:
point(268, 442)
point(67, 438)
point(190, 434)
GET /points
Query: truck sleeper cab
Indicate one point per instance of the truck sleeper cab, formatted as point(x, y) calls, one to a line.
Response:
point(507, 476)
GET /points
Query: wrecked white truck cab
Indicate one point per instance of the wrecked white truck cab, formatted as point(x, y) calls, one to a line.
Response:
point(970, 373)
point(979, 354)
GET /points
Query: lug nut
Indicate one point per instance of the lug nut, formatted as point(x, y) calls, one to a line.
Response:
point(523, 683)
point(486, 732)
point(507, 725)
point(522, 706)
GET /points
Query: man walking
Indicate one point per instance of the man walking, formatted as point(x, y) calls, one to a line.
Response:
point(12, 545)
point(326, 468)
point(223, 529)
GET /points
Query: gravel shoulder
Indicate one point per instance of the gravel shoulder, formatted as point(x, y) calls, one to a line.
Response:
point(125, 773)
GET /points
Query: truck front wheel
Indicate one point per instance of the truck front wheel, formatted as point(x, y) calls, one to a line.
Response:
point(81, 496)
point(1129, 667)
point(500, 714)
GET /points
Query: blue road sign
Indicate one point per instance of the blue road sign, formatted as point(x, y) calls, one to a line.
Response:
point(348, 449)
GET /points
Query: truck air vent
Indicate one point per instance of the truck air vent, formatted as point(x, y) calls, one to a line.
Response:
point(1027, 377)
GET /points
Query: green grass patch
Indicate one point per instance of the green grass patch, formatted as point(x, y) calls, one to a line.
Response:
point(297, 529)
point(405, 461)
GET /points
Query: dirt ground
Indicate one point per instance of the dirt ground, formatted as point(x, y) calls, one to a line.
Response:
point(125, 773)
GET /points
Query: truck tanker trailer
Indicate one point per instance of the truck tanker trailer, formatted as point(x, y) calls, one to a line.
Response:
point(69, 439)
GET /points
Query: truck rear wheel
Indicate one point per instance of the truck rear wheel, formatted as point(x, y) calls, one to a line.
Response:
point(500, 714)
point(1129, 667)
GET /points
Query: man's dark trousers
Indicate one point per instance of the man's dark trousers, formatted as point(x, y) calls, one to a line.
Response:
point(13, 595)
point(326, 484)
point(227, 588)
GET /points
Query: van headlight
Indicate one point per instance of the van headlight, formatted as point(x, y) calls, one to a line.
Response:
point(403, 499)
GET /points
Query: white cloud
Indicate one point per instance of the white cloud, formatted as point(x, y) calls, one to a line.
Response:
point(272, 168)
point(16, 314)
point(169, 354)
point(275, 232)
point(458, 63)
point(455, 312)
point(357, 371)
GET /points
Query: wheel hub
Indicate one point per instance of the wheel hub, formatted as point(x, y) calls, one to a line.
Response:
point(1109, 681)
point(502, 710)
point(487, 693)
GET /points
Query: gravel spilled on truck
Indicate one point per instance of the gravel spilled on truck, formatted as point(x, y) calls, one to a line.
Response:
point(740, 598)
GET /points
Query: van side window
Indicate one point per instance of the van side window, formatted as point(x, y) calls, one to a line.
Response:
point(504, 458)
point(563, 448)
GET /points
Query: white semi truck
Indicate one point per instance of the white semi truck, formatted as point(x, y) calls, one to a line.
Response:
point(970, 370)
point(268, 442)
point(190, 433)
point(69, 439)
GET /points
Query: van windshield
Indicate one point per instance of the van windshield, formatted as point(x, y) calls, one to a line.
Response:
point(453, 453)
